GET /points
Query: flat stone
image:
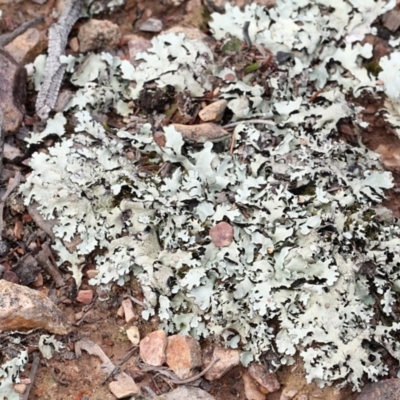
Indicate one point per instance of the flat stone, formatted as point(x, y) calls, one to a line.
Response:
point(214, 111)
point(267, 380)
point(183, 355)
point(27, 46)
point(85, 296)
point(252, 389)
point(228, 359)
point(202, 133)
point(186, 393)
point(123, 387)
point(11, 152)
point(152, 25)
point(128, 310)
point(152, 348)
point(133, 335)
point(98, 34)
point(12, 92)
point(388, 389)
point(22, 308)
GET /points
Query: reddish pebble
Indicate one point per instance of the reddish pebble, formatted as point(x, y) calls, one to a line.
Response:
point(85, 296)
point(221, 234)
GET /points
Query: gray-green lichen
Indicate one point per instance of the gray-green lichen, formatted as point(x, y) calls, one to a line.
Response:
point(313, 248)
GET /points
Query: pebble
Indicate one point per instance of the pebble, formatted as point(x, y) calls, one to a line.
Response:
point(186, 393)
point(228, 359)
point(152, 25)
point(183, 355)
point(266, 380)
point(85, 296)
point(128, 310)
point(133, 335)
point(98, 34)
point(152, 348)
point(252, 389)
point(213, 111)
point(123, 387)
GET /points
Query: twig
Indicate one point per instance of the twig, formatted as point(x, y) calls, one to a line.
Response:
point(12, 184)
point(46, 260)
point(32, 373)
point(54, 70)
point(135, 300)
point(250, 121)
point(44, 225)
point(149, 391)
point(9, 37)
point(118, 365)
point(245, 32)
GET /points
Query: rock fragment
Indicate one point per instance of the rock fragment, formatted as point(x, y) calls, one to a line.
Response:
point(152, 348)
point(133, 335)
point(123, 387)
point(213, 111)
point(186, 393)
point(85, 296)
point(12, 92)
point(228, 359)
point(153, 25)
point(391, 20)
point(252, 389)
point(266, 380)
point(128, 310)
point(202, 133)
point(221, 234)
point(22, 308)
point(183, 355)
point(98, 34)
point(26, 47)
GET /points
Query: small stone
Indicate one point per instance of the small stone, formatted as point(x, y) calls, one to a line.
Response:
point(152, 348)
point(214, 111)
point(183, 355)
point(267, 380)
point(288, 393)
point(19, 388)
point(152, 25)
point(74, 44)
point(98, 34)
point(302, 397)
point(123, 387)
point(221, 234)
point(202, 133)
point(121, 312)
point(388, 389)
point(251, 388)
point(133, 335)
point(22, 308)
point(185, 393)
point(85, 296)
point(12, 92)
point(39, 280)
point(11, 152)
point(391, 20)
point(27, 46)
point(92, 273)
point(128, 310)
point(228, 359)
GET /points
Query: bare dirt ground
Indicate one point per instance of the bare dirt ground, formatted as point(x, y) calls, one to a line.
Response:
point(65, 377)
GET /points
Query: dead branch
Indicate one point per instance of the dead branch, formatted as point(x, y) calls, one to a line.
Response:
point(9, 37)
point(44, 225)
point(46, 261)
point(32, 373)
point(54, 70)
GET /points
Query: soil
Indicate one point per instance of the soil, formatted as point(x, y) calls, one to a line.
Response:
point(66, 378)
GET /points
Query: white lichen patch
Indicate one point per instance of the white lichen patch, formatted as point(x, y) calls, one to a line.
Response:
point(313, 248)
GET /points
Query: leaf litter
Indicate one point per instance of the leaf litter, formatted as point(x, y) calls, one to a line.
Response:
point(305, 209)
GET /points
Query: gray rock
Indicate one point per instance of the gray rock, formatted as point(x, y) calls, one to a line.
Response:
point(152, 25)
